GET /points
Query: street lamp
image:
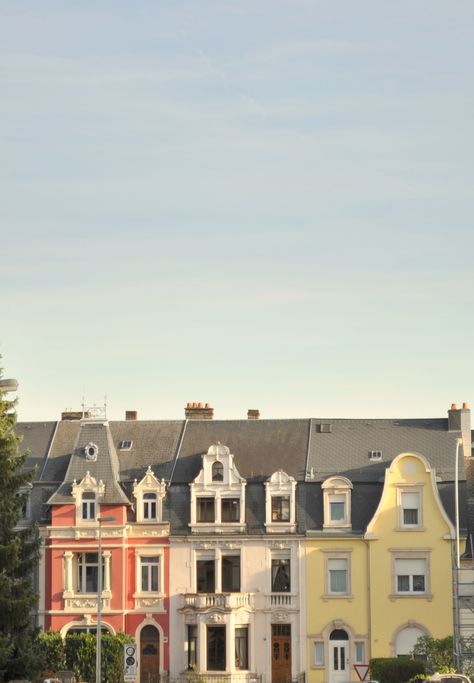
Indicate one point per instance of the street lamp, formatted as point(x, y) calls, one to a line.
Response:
point(98, 660)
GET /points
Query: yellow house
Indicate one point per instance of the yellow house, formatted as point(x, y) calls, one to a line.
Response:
point(379, 558)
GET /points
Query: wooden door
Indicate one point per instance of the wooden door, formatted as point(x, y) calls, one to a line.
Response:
point(281, 653)
point(149, 655)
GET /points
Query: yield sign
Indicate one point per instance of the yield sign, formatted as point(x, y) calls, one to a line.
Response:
point(361, 670)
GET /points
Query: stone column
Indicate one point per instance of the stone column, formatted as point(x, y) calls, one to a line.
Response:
point(68, 587)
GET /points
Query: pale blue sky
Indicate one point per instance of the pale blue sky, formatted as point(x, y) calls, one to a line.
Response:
point(259, 204)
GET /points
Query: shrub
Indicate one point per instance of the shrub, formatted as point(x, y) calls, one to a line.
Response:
point(51, 651)
point(395, 669)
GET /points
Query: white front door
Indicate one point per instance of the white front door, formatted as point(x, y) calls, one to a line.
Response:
point(339, 661)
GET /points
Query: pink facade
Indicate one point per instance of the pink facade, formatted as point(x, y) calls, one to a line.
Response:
point(132, 554)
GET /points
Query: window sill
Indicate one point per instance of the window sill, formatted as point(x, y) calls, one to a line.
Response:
point(410, 528)
point(338, 596)
point(403, 596)
point(280, 528)
point(218, 527)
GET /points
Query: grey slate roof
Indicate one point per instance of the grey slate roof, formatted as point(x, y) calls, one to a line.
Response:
point(36, 438)
point(345, 450)
point(105, 468)
point(260, 447)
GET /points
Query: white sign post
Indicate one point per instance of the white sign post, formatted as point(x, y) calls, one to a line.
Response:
point(130, 661)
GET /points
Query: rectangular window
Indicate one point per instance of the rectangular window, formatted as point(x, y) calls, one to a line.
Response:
point(411, 509)
point(216, 648)
point(337, 570)
point(192, 647)
point(242, 647)
point(149, 506)
point(337, 508)
point(318, 653)
point(411, 575)
point(88, 572)
point(230, 510)
point(280, 508)
point(150, 567)
point(281, 577)
point(206, 510)
point(205, 576)
point(360, 653)
point(230, 573)
point(88, 506)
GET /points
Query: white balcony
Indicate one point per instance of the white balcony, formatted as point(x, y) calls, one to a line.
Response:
point(287, 601)
point(225, 601)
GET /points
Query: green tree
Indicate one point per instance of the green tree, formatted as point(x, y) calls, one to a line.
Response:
point(437, 653)
point(19, 554)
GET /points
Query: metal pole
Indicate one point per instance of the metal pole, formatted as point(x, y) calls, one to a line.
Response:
point(98, 659)
point(99, 610)
point(456, 499)
point(457, 640)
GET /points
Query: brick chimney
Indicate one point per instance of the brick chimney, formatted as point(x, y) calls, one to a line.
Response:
point(459, 420)
point(253, 414)
point(198, 411)
point(131, 415)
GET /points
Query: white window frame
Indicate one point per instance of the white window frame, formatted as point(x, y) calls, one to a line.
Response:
point(319, 661)
point(402, 491)
point(332, 555)
point(280, 485)
point(88, 485)
point(150, 562)
point(148, 551)
point(359, 658)
point(150, 501)
point(337, 490)
point(89, 506)
point(423, 554)
point(149, 484)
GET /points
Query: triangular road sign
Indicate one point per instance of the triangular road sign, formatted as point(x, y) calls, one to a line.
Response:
point(361, 670)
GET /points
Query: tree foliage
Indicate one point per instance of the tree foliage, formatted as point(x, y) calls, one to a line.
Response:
point(19, 553)
point(437, 653)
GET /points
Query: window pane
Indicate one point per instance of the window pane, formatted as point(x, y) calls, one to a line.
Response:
point(231, 573)
point(403, 584)
point(216, 648)
point(338, 580)
point(241, 648)
point(337, 511)
point(319, 654)
point(217, 472)
point(410, 516)
point(205, 571)
point(281, 582)
point(192, 646)
point(360, 653)
point(230, 510)
point(205, 510)
point(419, 584)
point(280, 508)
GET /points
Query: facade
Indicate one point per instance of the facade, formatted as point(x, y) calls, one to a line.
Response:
point(251, 549)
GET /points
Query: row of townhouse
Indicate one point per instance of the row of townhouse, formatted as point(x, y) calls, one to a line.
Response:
point(253, 549)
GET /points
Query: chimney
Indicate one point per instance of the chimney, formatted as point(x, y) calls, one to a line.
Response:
point(71, 415)
point(131, 415)
point(198, 411)
point(459, 420)
point(253, 414)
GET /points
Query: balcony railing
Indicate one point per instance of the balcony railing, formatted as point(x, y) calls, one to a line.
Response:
point(227, 601)
point(276, 600)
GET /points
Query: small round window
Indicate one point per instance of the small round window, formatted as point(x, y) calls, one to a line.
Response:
point(91, 451)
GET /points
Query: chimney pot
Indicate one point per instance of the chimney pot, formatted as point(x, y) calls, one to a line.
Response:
point(253, 414)
point(198, 411)
point(454, 406)
point(465, 406)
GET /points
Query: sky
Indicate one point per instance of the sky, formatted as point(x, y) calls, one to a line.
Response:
point(252, 203)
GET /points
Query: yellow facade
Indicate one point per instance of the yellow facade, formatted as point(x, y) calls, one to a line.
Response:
point(373, 594)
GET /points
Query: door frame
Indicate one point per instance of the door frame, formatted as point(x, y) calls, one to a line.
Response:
point(339, 675)
point(290, 640)
point(138, 633)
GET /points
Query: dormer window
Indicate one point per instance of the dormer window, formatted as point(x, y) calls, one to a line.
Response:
point(149, 506)
point(218, 493)
point(88, 506)
point(217, 471)
point(87, 494)
point(410, 509)
point(280, 499)
point(337, 503)
point(149, 494)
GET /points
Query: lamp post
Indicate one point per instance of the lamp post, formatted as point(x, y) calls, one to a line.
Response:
point(98, 658)
point(457, 639)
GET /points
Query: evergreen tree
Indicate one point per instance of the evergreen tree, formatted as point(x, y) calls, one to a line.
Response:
point(19, 553)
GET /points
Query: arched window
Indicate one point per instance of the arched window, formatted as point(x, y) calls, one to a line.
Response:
point(406, 639)
point(217, 471)
point(88, 505)
point(149, 506)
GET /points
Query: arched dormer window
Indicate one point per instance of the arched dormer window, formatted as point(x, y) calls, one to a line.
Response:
point(280, 498)
point(217, 471)
point(87, 494)
point(337, 503)
point(149, 494)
